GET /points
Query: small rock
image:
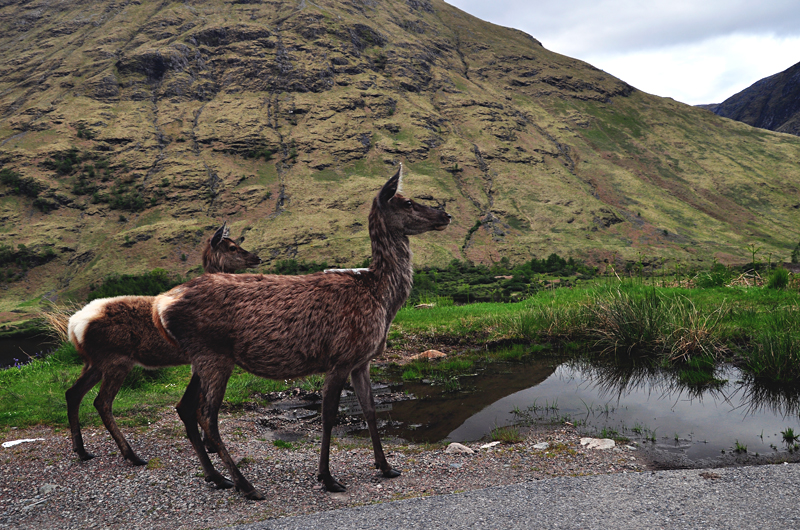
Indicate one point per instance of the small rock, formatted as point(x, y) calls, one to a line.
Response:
point(457, 448)
point(598, 443)
point(46, 489)
point(542, 446)
point(430, 354)
point(490, 445)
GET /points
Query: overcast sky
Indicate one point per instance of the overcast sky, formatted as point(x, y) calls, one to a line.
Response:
point(695, 51)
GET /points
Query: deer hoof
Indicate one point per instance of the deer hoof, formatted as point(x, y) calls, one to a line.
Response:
point(254, 496)
point(335, 487)
point(136, 461)
point(391, 473)
point(331, 484)
point(85, 456)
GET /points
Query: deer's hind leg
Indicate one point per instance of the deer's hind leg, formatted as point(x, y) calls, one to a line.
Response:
point(89, 377)
point(213, 384)
point(360, 379)
point(187, 410)
point(112, 382)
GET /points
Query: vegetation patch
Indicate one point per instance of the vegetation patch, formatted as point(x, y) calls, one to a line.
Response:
point(15, 262)
point(150, 284)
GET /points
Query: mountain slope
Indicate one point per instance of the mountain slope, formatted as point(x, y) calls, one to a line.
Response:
point(772, 103)
point(128, 130)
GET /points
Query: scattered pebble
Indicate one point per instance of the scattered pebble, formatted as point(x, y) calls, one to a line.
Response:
point(46, 486)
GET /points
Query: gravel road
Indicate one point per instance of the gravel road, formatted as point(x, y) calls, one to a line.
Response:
point(763, 497)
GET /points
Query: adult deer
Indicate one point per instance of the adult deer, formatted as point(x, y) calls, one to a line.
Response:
point(112, 335)
point(291, 326)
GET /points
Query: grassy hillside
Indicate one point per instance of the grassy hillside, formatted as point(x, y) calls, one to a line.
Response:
point(129, 130)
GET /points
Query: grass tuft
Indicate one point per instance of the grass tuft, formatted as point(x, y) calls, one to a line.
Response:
point(507, 435)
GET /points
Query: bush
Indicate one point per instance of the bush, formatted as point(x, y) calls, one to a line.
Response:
point(149, 284)
point(718, 276)
point(778, 279)
point(20, 185)
point(65, 163)
point(17, 261)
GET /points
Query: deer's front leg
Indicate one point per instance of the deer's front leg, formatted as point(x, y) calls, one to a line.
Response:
point(361, 383)
point(331, 392)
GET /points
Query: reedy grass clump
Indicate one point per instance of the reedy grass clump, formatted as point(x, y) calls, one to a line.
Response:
point(507, 435)
point(778, 279)
point(773, 350)
point(633, 319)
point(789, 436)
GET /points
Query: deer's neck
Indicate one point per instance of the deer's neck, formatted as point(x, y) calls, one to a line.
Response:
point(391, 265)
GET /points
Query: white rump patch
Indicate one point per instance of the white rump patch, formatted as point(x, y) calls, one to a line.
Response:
point(90, 312)
point(354, 271)
point(162, 302)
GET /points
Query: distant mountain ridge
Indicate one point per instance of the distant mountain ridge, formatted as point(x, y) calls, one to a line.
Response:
point(772, 103)
point(130, 129)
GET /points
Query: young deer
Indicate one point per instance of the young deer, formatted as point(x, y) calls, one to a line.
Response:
point(115, 334)
point(291, 326)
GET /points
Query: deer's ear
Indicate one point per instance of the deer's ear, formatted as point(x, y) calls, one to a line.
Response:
point(219, 235)
point(390, 188)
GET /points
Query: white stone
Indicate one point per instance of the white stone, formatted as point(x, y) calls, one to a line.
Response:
point(542, 446)
point(457, 448)
point(46, 489)
point(598, 443)
point(490, 445)
point(12, 443)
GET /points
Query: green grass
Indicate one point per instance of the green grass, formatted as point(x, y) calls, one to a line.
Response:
point(789, 436)
point(283, 445)
point(33, 394)
point(690, 331)
point(755, 328)
point(507, 435)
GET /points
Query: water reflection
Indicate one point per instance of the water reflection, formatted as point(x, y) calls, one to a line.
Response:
point(697, 412)
point(22, 350)
point(758, 395)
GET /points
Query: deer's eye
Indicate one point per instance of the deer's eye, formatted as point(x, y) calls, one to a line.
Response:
point(408, 204)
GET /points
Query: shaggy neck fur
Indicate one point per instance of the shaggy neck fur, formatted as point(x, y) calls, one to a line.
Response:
point(391, 261)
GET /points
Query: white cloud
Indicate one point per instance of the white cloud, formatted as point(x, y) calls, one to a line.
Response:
point(696, 52)
point(705, 72)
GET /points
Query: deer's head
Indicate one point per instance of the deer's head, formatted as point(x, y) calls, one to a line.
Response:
point(403, 215)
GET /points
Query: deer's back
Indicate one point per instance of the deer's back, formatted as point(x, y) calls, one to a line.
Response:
point(277, 326)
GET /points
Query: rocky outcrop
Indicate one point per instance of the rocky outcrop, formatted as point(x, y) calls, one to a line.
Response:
point(772, 103)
